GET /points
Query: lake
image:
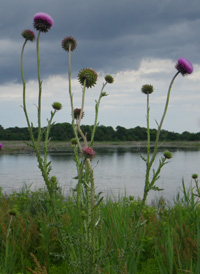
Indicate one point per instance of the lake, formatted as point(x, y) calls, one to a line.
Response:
point(116, 171)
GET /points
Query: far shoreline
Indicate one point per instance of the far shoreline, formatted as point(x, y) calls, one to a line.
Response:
point(21, 147)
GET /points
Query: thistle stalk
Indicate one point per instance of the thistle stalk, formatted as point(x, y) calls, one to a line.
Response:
point(24, 95)
point(81, 113)
point(96, 115)
point(162, 120)
point(40, 90)
point(71, 98)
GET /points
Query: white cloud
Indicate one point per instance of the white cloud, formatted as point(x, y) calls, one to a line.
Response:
point(125, 96)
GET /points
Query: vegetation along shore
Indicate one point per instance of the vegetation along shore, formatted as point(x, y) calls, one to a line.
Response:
point(21, 147)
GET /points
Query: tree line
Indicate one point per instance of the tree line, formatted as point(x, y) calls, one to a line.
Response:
point(64, 132)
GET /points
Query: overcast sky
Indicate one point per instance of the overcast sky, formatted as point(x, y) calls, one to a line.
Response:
point(136, 41)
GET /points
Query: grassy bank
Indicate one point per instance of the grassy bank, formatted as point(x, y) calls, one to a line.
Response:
point(20, 147)
point(167, 242)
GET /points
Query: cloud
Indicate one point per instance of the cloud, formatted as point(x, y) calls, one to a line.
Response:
point(136, 41)
point(125, 105)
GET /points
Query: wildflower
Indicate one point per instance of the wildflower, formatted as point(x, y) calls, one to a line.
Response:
point(74, 141)
point(87, 76)
point(184, 66)
point(28, 35)
point(42, 21)
point(54, 183)
point(12, 212)
point(147, 89)
point(103, 94)
point(167, 154)
point(88, 152)
point(194, 176)
point(77, 112)
point(109, 79)
point(1, 146)
point(57, 106)
point(69, 41)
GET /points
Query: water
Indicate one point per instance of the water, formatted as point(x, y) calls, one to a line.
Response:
point(116, 171)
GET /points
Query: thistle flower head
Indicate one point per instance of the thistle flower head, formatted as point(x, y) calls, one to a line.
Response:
point(147, 89)
point(184, 66)
point(89, 76)
point(12, 212)
point(1, 146)
point(74, 141)
point(103, 94)
point(77, 112)
point(42, 21)
point(57, 106)
point(88, 152)
point(167, 154)
point(109, 79)
point(69, 41)
point(28, 35)
point(194, 176)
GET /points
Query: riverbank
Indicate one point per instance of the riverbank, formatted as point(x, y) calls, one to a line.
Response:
point(20, 147)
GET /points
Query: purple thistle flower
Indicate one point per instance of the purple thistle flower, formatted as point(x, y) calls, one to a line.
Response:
point(88, 152)
point(1, 146)
point(28, 35)
point(77, 112)
point(42, 21)
point(184, 66)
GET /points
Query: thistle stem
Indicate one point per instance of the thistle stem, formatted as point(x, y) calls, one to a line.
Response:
point(96, 115)
point(71, 99)
point(24, 85)
point(81, 113)
point(24, 96)
point(40, 90)
point(162, 120)
point(148, 154)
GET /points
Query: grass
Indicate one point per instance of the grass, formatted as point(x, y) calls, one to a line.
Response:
point(167, 242)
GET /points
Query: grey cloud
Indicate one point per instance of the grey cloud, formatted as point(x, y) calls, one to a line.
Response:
point(112, 35)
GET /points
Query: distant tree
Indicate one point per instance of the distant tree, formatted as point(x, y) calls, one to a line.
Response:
point(121, 133)
point(64, 132)
point(61, 132)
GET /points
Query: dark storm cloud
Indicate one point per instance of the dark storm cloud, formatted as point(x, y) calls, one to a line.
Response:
point(112, 35)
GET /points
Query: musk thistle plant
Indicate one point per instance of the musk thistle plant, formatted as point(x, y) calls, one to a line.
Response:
point(184, 67)
point(42, 23)
point(86, 201)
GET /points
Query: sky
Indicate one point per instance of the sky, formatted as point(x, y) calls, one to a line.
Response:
point(138, 42)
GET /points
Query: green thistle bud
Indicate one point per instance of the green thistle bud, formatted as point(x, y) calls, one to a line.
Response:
point(167, 154)
point(103, 94)
point(88, 75)
point(54, 183)
point(194, 176)
point(74, 141)
point(109, 79)
point(28, 35)
point(57, 106)
point(147, 89)
point(69, 41)
point(12, 212)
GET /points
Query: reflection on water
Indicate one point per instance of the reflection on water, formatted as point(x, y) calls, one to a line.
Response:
point(116, 170)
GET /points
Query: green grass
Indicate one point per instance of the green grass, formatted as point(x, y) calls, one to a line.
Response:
point(167, 242)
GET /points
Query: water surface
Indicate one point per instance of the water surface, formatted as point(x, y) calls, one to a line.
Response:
point(116, 171)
